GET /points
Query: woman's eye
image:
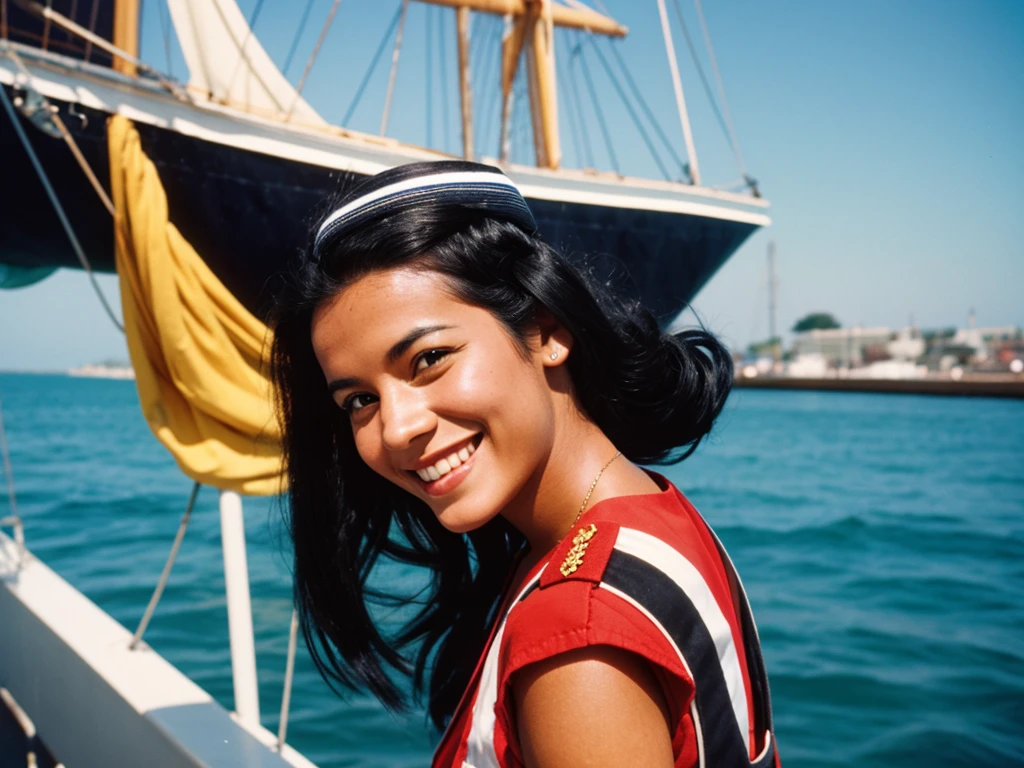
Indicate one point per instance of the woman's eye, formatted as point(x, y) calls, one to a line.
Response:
point(357, 401)
point(430, 358)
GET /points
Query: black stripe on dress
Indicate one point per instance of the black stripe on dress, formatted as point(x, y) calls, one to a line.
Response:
point(673, 609)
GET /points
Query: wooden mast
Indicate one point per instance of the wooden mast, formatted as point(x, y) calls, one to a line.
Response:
point(126, 34)
point(532, 30)
point(465, 87)
point(543, 94)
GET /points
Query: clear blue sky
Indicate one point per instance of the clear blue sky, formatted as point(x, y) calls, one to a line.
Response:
point(887, 135)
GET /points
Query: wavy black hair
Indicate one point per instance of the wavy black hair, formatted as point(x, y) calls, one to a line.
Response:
point(654, 394)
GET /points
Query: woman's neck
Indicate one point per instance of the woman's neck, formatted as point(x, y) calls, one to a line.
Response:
point(545, 510)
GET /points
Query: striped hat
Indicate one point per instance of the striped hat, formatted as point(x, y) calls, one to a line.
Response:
point(437, 184)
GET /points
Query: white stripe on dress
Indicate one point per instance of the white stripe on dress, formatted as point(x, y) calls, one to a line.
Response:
point(669, 561)
point(481, 752)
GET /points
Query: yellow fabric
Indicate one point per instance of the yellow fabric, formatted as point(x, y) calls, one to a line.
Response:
point(199, 356)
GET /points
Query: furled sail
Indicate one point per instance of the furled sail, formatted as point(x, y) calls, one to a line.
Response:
point(225, 60)
point(200, 358)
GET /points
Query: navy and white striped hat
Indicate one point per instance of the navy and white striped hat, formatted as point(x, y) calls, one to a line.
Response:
point(442, 184)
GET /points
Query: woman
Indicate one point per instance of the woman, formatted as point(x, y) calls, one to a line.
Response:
point(457, 397)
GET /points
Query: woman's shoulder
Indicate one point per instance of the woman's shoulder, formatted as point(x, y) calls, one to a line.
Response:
point(627, 541)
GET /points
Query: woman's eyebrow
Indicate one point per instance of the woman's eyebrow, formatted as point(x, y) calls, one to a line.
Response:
point(339, 384)
point(411, 338)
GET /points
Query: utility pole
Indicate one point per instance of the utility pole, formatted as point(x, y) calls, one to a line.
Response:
point(773, 285)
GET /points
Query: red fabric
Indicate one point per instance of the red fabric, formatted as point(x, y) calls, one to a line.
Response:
point(571, 612)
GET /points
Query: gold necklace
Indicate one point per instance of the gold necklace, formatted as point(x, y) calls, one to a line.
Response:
point(593, 485)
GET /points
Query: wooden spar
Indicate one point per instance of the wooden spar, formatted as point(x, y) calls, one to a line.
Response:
point(511, 48)
point(533, 63)
point(465, 88)
point(561, 16)
point(126, 34)
point(545, 104)
point(533, 27)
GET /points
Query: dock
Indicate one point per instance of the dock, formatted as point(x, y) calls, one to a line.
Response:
point(970, 385)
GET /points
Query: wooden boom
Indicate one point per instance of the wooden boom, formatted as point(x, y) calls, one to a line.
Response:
point(561, 16)
point(532, 31)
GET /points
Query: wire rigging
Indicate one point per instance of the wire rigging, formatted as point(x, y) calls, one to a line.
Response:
point(298, 36)
point(601, 122)
point(58, 208)
point(721, 88)
point(394, 69)
point(429, 26)
point(578, 103)
point(313, 55)
point(492, 56)
point(445, 116)
point(565, 100)
point(245, 41)
point(165, 30)
point(638, 95)
point(629, 109)
point(372, 67)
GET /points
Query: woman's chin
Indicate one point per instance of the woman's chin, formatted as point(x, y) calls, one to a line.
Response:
point(462, 520)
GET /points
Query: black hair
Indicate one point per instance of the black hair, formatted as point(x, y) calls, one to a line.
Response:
point(654, 394)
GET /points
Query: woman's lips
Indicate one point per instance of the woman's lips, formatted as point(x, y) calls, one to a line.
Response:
point(447, 482)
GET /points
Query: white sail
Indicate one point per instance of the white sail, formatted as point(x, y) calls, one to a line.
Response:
point(226, 60)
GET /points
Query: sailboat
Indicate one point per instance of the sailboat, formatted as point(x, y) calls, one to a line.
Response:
point(246, 161)
point(212, 185)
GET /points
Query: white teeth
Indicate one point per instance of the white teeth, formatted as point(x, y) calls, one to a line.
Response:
point(446, 465)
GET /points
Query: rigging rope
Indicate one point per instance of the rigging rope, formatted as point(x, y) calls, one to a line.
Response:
point(312, 57)
point(601, 122)
point(289, 676)
point(65, 223)
point(721, 86)
point(700, 69)
point(430, 74)
point(567, 109)
point(629, 109)
point(578, 104)
point(165, 31)
point(245, 41)
point(298, 36)
point(445, 117)
point(394, 69)
point(489, 60)
point(638, 95)
point(373, 66)
point(8, 471)
point(166, 573)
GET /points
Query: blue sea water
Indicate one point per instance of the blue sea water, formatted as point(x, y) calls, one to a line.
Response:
point(880, 537)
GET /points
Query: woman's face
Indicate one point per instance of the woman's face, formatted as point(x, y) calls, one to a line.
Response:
point(442, 401)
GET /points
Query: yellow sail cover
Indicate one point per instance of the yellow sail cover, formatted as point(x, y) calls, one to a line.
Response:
point(200, 357)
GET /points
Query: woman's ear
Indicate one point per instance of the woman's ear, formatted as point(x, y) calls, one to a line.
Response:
point(555, 342)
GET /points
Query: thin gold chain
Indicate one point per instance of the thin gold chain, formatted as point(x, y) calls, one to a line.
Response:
point(593, 485)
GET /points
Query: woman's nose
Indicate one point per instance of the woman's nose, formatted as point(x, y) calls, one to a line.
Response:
point(404, 417)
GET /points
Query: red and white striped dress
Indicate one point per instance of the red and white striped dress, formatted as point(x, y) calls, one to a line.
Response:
point(651, 579)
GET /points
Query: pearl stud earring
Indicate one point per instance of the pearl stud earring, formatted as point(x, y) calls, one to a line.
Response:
point(554, 355)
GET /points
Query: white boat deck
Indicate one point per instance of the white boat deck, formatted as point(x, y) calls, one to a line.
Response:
point(95, 702)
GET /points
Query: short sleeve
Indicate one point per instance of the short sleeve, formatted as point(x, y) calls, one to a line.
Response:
point(574, 614)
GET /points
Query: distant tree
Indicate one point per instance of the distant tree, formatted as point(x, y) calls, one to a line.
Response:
point(816, 321)
point(766, 347)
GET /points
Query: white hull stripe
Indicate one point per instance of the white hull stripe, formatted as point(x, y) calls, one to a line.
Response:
point(481, 752)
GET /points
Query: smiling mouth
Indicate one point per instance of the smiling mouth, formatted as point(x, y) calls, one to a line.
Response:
point(445, 466)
